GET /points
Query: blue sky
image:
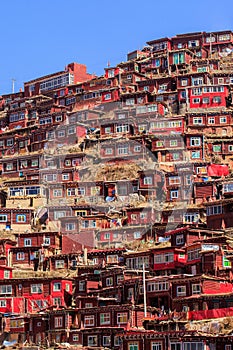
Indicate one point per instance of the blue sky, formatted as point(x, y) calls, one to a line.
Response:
point(42, 36)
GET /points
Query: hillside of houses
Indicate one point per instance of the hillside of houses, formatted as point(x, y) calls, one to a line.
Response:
point(116, 202)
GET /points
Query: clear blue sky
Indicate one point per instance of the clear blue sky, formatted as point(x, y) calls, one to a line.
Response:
point(42, 36)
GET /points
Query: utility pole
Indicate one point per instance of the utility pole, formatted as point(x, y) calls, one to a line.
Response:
point(13, 85)
point(144, 289)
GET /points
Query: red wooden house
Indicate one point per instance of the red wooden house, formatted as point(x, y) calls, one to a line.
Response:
point(170, 259)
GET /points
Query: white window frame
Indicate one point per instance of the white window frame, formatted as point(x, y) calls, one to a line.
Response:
point(196, 288)
point(89, 321)
point(57, 286)
point(181, 291)
point(37, 288)
point(105, 318)
point(147, 180)
point(122, 318)
point(92, 340)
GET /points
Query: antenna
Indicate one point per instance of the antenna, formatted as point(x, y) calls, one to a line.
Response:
point(13, 85)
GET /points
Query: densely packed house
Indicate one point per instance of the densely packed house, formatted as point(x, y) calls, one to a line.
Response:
point(116, 208)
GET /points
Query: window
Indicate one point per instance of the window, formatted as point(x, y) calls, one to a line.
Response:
point(109, 281)
point(174, 180)
point(163, 258)
point(196, 100)
point(195, 141)
point(58, 118)
point(108, 151)
point(129, 101)
point(123, 150)
point(107, 130)
point(88, 305)
point(137, 235)
point(70, 226)
point(2, 303)
point(173, 143)
point(178, 58)
point(71, 130)
point(57, 193)
point(20, 256)
point(214, 210)
point(89, 320)
point(193, 346)
point(159, 143)
point(184, 82)
point(223, 120)
point(205, 100)
point(75, 337)
point(211, 120)
point(179, 239)
point(122, 317)
point(217, 99)
point(32, 190)
point(181, 291)
point(196, 289)
point(56, 286)
point(147, 180)
point(157, 286)
point(197, 120)
point(81, 191)
point(120, 278)
point(217, 148)
point(228, 347)
point(117, 340)
point(230, 148)
point(9, 166)
point(23, 164)
point(156, 346)
point(58, 321)
point(174, 194)
point(122, 128)
point(82, 286)
point(92, 340)
point(46, 241)
point(106, 340)
point(59, 264)
point(137, 148)
point(34, 162)
point(59, 214)
point(27, 242)
point(68, 162)
point(196, 154)
point(191, 218)
point(65, 177)
point(6, 289)
point(37, 288)
point(224, 37)
point(197, 81)
point(105, 318)
point(3, 218)
point(61, 133)
point(196, 91)
point(45, 121)
point(70, 192)
point(194, 254)
point(133, 346)
point(183, 94)
point(9, 142)
point(6, 274)
point(50, 177)
point(57, 301)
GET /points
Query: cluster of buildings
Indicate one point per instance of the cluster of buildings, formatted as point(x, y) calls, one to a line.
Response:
point(116, 203)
